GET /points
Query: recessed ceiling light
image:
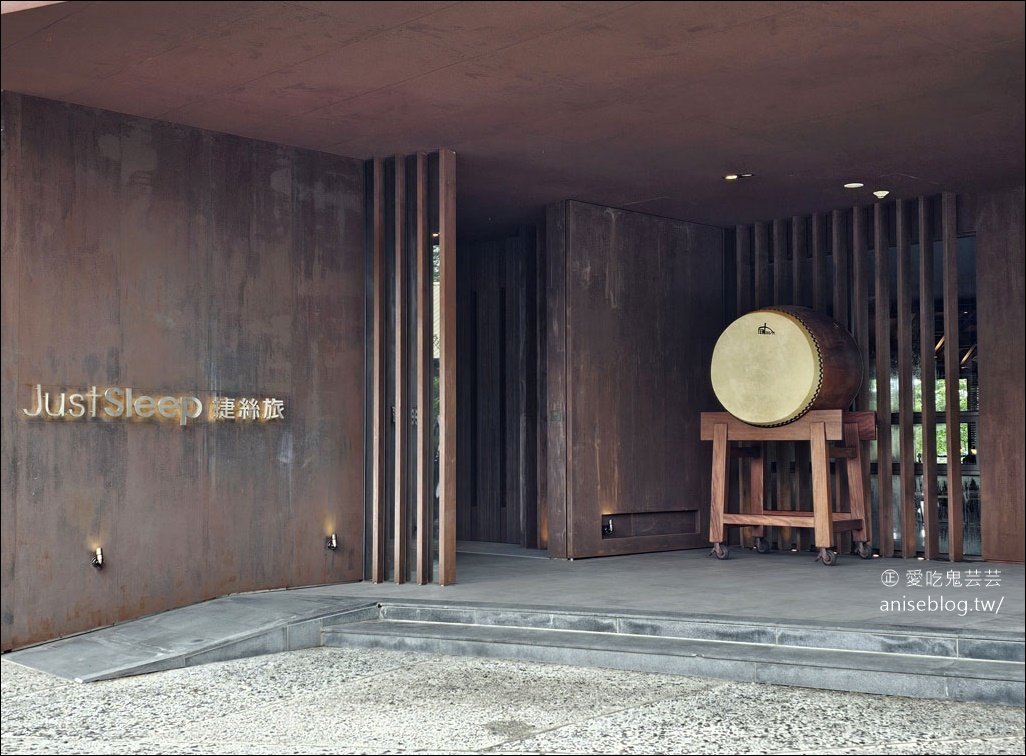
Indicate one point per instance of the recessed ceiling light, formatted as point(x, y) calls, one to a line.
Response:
point(854, 185)
point(731, 177)
point(880, 193)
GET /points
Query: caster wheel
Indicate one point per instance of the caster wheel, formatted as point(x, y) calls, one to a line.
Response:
point(827, 557)
point(864, 551)
point(719, 551)
point(762, 545)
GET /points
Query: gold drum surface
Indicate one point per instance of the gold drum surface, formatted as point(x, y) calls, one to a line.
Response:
point(771, 366)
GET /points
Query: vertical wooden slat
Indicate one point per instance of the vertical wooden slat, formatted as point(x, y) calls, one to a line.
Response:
point(904, 325)
point(819, 265)
point(378, 378)
point(447, 393)
point(861, 290)
point(743, 252)
point(928, 379)
point(784, 450)
point(763, 284)
point(782, 294)
point(425, 358)
point(400, 518)
point(798, 254)
point(882, 315)
point(763, 298)
point(860, 297)
point(541, 419)
point(951, 372)
point(839, 242)
point(802, 484)
point(839, 251)
point(745, 298)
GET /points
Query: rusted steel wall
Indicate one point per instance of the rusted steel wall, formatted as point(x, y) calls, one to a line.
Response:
point(175, 261)
point(1002, 315)
point(635, 306)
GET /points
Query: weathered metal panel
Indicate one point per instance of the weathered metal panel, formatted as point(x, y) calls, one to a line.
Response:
point(1000, 277)
point(175, 261)
point(646, 310)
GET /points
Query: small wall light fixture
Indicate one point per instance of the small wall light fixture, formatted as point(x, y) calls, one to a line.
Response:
point(331, 542)
point(98, 558)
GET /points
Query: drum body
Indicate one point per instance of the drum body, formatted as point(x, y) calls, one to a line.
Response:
point(771, 366)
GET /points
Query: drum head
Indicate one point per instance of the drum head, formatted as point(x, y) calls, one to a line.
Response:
point(766, 368)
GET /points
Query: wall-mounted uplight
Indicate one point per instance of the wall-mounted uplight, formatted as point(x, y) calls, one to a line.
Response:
point(854, 185)
point(880, 193)
point(331, 542)
point(98, 558)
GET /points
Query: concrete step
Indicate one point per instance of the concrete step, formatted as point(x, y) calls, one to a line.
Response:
point(893, 661)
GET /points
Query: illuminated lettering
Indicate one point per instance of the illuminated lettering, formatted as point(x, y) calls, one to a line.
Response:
point(116, 402)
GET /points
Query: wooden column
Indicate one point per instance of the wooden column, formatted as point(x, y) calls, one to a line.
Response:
point(379, 417)
point(745, 304)
point(949, 235)
point(928, 379)
point(882, 314)
point(782, 292)
point(425, 358)
point(400, 519)
point(819, 268)
point(904, 327)
point(861, 291)
point(802, 484)
point(839, 251)
point(1000, 281)
point(447, 393)
point(839, 244)
point(798, 255)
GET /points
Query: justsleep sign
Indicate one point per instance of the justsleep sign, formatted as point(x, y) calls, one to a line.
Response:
point(127, 404)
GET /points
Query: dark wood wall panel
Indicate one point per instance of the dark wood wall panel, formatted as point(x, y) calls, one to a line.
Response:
point(163, 258)
point(1002, 325)
point(643, 307)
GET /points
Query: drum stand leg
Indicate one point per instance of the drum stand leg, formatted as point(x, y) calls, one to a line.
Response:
point(718, 505)
point(821, 514)
point(857, 492)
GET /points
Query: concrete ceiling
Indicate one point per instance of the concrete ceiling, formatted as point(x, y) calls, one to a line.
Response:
point(644, 105)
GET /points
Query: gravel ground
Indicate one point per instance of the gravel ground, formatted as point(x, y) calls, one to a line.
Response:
point(330, 700)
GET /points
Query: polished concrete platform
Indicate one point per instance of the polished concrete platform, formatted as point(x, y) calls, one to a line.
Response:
point(902, 627)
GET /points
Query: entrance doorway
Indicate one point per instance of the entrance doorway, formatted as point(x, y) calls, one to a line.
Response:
point(497, 374)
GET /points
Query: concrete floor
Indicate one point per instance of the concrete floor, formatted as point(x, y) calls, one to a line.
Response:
point(346, 700)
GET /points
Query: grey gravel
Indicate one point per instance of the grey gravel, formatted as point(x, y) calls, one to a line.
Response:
point(331, 700)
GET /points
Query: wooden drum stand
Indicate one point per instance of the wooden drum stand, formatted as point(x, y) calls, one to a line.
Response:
point(818, 427)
